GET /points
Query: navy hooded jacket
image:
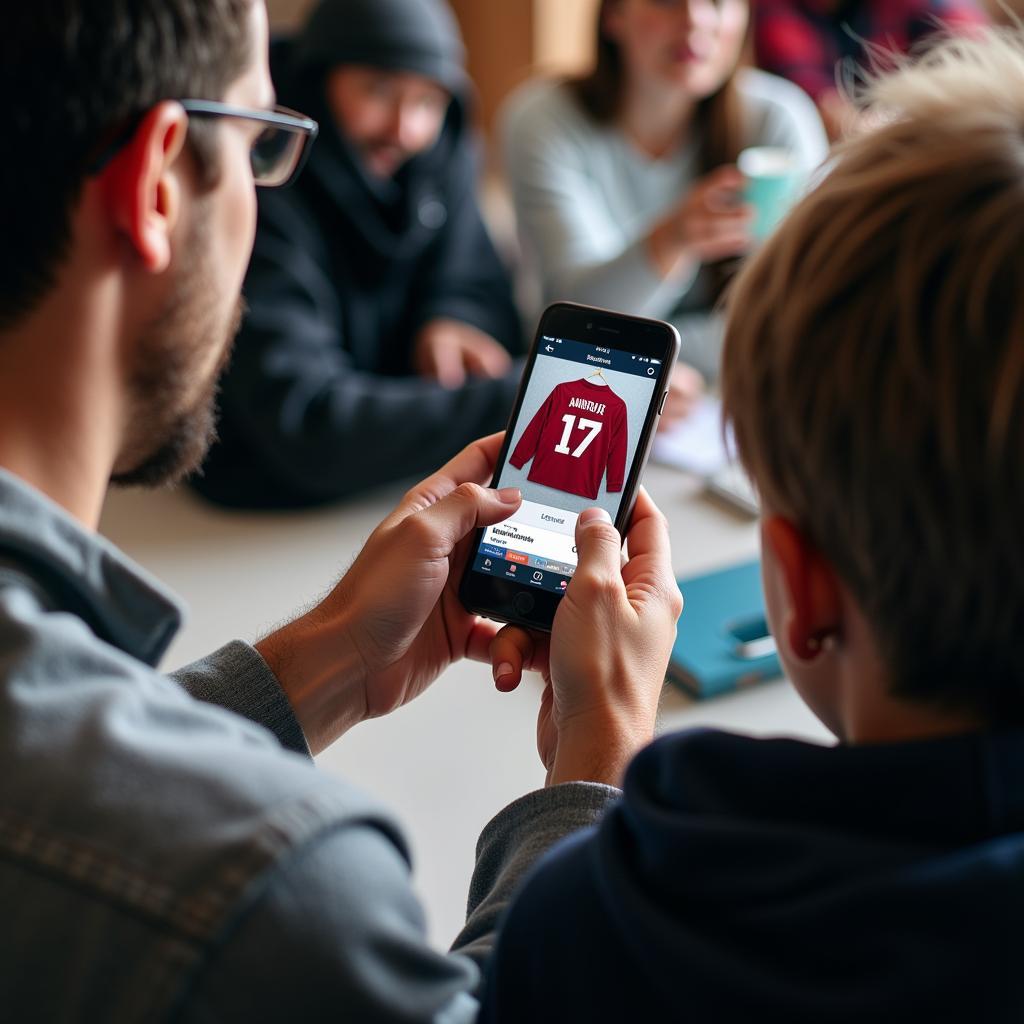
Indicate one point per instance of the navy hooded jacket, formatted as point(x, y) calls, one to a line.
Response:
point(773, 880)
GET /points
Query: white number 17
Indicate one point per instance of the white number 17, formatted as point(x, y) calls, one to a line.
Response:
point(570, 421)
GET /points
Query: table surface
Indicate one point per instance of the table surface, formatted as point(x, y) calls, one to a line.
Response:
point(450, 760)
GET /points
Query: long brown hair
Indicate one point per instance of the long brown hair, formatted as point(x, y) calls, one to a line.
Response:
point(717, 123)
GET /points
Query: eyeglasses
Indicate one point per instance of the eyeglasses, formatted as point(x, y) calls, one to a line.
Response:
point(280, 151)
point(277, 154)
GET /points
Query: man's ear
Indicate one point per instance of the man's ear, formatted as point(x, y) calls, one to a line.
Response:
point(142, 187)
point(812, 592)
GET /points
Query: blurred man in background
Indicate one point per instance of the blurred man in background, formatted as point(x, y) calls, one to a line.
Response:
point(381, 319)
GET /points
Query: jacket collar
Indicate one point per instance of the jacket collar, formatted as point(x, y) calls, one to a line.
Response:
point(82, 573)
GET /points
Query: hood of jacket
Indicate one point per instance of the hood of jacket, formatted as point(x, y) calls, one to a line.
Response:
point(886, 871)
point(389, 219)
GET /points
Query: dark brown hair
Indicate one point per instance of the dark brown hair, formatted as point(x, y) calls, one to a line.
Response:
point(717, 123)
point(71, 73)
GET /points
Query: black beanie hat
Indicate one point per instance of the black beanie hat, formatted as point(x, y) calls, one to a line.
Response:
point(404, 35)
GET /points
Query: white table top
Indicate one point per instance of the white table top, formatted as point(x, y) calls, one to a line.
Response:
point(450, 760)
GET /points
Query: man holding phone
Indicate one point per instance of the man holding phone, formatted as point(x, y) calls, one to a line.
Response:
point(166, 846)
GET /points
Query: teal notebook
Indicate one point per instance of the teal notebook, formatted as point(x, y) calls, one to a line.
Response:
point(722, 641)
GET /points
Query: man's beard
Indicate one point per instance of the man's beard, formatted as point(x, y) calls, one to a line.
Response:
point(172, 440)
point(384, 160)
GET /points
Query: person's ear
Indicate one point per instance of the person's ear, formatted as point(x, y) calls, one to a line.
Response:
point(143, 188)
point(813, 605)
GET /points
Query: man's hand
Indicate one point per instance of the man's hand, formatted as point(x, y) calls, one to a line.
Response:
point(448, 350)
point(609, 649)
point(394, 621)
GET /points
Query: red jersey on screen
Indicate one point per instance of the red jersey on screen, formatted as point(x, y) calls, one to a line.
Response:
point(577, 434)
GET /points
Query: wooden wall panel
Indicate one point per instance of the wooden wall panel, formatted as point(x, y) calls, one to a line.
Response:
point(287, 14)
point(564, 34)
point(500, 47)
point(507, 40)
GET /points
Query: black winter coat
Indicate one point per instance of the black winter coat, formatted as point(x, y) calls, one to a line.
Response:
point(320, 400)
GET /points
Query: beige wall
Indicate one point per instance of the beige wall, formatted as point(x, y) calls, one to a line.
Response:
point(564, 34)
point(285, 14)
point(507, 40)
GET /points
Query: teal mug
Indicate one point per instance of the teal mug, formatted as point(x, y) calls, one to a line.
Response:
point(775, 181)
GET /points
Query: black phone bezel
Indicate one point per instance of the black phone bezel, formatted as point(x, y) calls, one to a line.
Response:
point(507, 601)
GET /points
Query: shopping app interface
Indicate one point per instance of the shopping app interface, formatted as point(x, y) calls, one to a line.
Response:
point(572, 447)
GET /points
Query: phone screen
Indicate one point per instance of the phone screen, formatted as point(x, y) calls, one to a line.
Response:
point(572, 447)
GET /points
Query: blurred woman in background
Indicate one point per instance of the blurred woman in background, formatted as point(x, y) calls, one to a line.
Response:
point(624, 180)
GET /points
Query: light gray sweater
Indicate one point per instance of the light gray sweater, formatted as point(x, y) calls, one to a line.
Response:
point(586, 198)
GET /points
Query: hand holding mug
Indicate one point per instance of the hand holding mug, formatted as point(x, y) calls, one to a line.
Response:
point(712, 223)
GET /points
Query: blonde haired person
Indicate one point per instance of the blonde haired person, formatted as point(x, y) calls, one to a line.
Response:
point(874, 372)
point(624, 181)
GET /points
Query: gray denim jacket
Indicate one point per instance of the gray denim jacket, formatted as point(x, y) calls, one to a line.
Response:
point(166, 858)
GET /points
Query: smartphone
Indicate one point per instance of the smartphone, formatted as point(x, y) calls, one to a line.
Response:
point(594, 386)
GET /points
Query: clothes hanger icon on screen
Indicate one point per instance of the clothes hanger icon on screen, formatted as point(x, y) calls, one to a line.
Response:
point(598, 373)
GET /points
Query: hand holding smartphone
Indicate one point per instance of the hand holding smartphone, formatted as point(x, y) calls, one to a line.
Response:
point(580, 434)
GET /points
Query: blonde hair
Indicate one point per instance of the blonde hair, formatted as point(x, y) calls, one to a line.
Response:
point(874, 372)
